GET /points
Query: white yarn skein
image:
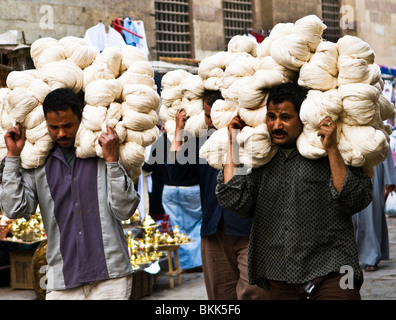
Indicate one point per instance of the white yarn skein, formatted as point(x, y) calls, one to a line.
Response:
point(62, 74)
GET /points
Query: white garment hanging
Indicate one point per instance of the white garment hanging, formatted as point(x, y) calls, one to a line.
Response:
point(98, 37)
point(142, 45)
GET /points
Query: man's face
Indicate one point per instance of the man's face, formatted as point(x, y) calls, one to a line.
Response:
point(283, 123)
point(63, 127)
point(208, 119)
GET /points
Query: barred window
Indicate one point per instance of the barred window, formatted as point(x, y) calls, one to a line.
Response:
point(237, 18)
point(331, 18)
point(173, 38)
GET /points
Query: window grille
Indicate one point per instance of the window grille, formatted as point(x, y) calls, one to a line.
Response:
point(173, 38)
point(331, 18)
point(237, 18)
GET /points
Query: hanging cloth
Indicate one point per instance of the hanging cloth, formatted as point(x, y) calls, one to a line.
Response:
point(142, 45)
point(130, 38)
point(98, 37)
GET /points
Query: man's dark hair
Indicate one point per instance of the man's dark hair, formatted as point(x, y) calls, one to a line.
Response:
point(61, 100)
point(210, 96)
point(288, 92)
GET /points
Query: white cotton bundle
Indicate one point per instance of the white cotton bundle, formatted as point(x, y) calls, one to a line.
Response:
point(196, 124)
point(268, 63)
point(279, 30)
point(309, 144)
point(131, 55)
point(319, 105)
point(360, 103)
point(85, 142)
point(38, 145)
point(321, 72)
point(192, 87)
point(21, 102)
point(96, 72)
point(355, 47)
point(246, 94)
point(238, 44)
point(141, 98)
point(112, 57)
point(255, 146)
point(214, 150)
point(138, 121)
point(62, 74)
point(102, 92)
point(291, 52)
point(93, 117)
point(243, 65)
point(139, 72)
point(310, 28)
point(46, 50)
point(254, 117)
point(192, 107)
point(170, 127)
point(78, 50)
point(211, 70)
point(372, 143)
point(143, 138)
point(222, 113)
point(21, 78)
point(171, 92)
point(34, 118)
point(39, 89)
point(387, 109)
point(132, 155)
point(5, 120)
point(352, 70)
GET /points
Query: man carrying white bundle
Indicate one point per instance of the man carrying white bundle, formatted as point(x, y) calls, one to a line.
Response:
point(224, 235)
point(82, 202)
point(302, 244)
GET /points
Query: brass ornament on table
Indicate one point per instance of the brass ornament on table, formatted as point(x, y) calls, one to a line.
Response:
point(28, 229)
point(5, 226)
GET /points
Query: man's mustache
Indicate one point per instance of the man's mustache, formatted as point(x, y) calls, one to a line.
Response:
point(279, 131)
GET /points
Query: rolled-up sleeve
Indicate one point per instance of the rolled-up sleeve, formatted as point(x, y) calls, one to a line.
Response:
point(356, 193)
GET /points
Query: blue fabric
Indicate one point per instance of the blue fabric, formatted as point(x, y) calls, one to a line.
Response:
point(129, 37)
point(183, 205)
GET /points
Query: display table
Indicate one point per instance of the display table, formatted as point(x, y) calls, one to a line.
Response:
point(172, 271)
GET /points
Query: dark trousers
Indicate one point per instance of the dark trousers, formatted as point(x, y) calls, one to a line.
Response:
point(324, 288)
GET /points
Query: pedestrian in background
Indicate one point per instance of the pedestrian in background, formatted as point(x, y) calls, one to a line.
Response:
point(370, 224)
point(224, 235)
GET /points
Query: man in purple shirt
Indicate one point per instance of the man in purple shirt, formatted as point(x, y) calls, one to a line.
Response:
point(82, 203)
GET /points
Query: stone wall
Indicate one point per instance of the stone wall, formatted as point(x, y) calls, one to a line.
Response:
point(60, 18)
point(372, 20)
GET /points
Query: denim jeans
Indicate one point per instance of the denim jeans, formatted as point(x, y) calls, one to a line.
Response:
point(183, 205)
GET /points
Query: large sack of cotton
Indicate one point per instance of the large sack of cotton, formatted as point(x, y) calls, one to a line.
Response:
point(62, 74)
point(321, 72)
point(296, 48)
point(214, 150)
point(255, 146)
point(240, 43)
point(131, 55)
point(46, 50)
point(279, 30)
point(77, 50)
